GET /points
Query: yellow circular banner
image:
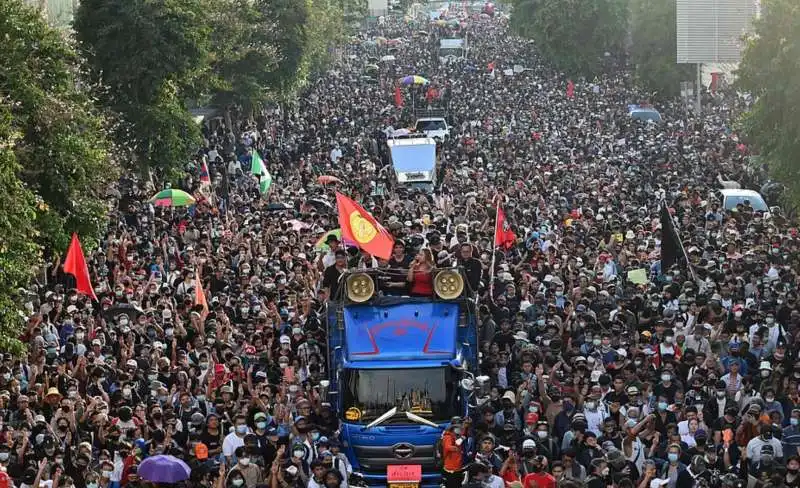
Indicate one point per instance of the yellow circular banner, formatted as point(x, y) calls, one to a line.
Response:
point(363, 230)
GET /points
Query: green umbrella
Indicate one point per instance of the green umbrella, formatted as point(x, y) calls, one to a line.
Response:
point(172, 198)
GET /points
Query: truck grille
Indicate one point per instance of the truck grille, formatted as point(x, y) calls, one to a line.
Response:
point(375, 459)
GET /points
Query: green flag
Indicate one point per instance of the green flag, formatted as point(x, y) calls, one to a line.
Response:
point(258, 169)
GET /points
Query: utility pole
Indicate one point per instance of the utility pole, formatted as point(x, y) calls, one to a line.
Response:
point(698, 87)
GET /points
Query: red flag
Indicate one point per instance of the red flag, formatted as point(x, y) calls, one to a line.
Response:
point(714, 81)
point(398, 97)
point(503, 235)
point(570, 89)
point(75, 264)
point(360, 227)
point(205, 179)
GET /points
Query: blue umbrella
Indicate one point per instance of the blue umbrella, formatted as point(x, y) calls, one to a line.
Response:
point(164, 469)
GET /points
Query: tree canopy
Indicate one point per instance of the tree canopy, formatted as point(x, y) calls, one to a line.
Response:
point(654, 47)
point(769, 71)
point(574, 36)
point(54, 155)
point(146, 58)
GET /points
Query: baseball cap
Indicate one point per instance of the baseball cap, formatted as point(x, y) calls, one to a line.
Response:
point(528, 444)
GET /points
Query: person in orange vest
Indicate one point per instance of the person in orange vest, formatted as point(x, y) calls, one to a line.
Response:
point(453, 454)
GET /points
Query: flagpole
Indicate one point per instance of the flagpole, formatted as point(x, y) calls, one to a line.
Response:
point(680, 242)
point(494, 254)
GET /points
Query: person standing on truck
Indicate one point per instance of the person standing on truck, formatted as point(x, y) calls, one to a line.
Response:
point(453, 454)
point(420, 274)
point(398, 264)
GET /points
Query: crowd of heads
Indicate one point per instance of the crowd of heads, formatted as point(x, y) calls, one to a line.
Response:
point(671, 377)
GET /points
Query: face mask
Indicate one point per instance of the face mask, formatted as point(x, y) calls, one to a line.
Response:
point(769, 398)
point(665, 377)
point(107, 474)
point(315, 436)
point(241, 429)
point(238, 482)
point(203, 365)
point(669, 339)
point(631, 423)
point(637, 363)
point(298, 454)
point(673, 458)
point(4, 456)
point(720, 394)
point(542, 434)
point(123, 322)
point(765, 373)
point(794, 421)
point(91, 485)
point(244, 461)
point(662, 406)
point(590, 405)
point(261, 425)
point(738, 315)
point(126, 392)
point(457, 431)
point(769, 320)
point(596, 342)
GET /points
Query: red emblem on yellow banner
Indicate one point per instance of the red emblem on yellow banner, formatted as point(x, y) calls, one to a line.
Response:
point(360, 227)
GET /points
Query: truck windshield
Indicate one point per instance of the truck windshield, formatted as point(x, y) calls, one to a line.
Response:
point(426, 125)
point(451, 51)
point(431, 393)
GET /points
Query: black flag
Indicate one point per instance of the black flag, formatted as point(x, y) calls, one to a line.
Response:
point(671, 249)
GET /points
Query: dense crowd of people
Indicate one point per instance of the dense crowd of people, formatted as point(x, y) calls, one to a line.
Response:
point(685, 377)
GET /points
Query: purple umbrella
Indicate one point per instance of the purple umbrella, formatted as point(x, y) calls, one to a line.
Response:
point(164, 469)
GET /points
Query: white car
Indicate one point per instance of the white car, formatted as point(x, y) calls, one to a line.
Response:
point(733, 197)
point(433, 127)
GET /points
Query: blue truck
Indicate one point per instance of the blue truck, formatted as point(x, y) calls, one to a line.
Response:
point(399, 372)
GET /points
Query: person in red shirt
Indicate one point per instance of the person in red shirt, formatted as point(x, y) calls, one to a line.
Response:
point(453, 454)
point(539, 478)
point(420, 274)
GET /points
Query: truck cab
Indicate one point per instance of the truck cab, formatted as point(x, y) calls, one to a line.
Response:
point(414, 162)
point(397, 368)
point(451, 50)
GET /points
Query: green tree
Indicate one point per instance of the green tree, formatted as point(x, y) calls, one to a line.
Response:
point(146, 58)
point(54, 156)
point(654, 47)
point(573, 35)
point(19, 253)
point(244, 56)
point(769, 71)
point(60, 142)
